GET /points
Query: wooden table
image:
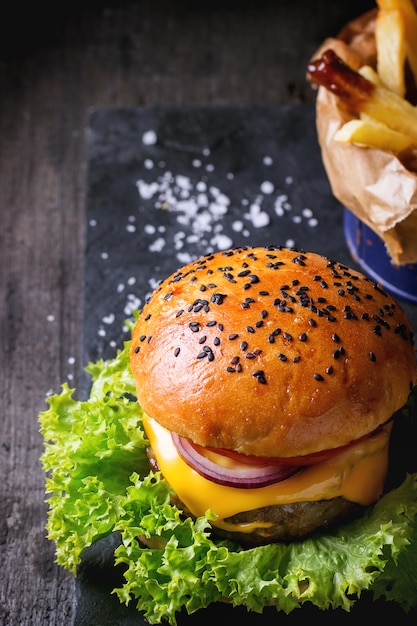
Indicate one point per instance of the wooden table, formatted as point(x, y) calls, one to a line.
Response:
point(54, 66)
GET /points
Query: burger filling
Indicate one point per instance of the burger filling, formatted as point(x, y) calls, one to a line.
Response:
point(268, 500)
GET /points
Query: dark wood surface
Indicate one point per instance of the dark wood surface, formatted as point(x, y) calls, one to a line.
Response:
point(56, 64)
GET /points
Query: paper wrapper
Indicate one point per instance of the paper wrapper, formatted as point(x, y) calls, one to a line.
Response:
point(375, 185)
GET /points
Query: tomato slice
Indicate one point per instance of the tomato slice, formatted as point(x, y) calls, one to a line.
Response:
point(306, 459)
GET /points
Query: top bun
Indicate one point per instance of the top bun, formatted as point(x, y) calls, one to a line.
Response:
point(271, 352)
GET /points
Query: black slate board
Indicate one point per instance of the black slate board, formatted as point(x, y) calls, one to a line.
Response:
point(167, 185)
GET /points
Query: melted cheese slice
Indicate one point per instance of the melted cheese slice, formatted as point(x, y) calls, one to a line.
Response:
point(358, 474)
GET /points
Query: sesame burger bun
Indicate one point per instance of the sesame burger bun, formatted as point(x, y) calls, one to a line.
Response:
point(271, 352)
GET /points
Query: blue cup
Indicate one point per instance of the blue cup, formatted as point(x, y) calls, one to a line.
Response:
point(370, 253)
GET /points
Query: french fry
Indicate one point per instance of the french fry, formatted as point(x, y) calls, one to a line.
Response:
point(391, 49)
point(410, 21)
point(369, 73)
point(362, 95)
point(373, 134)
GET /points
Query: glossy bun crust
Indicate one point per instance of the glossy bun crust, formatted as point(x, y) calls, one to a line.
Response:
point(271, 352)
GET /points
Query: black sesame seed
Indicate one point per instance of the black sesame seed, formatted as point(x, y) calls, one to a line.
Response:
point(318, 377)
point(250, 329)
point(296, 359)
point(233, 336)
point(303, 337)
point(137, 350)
point(338, 353)
point(329, 369)
point(230, 369)
point(180, 312)
point(216, 341)
point(177, 351)
point(260, 376)
point(218, 298)
point(202, 339)
point(212, 323)
point(372, 357)
point(282, 357)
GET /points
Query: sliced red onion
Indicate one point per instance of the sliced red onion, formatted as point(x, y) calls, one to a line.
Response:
point(248, 477)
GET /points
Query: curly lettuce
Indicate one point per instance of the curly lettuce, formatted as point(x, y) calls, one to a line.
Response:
point(98, 482)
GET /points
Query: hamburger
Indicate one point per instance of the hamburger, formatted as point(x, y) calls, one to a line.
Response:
point(269, 380)
point(239, 446)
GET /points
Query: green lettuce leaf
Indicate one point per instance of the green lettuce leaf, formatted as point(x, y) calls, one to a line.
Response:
point(98, 482)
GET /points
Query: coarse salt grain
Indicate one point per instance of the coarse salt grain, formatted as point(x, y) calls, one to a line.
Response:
point(108, 319)
point(149, 138)
point(258, 217)
point(157, 245)
point(267, 187)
